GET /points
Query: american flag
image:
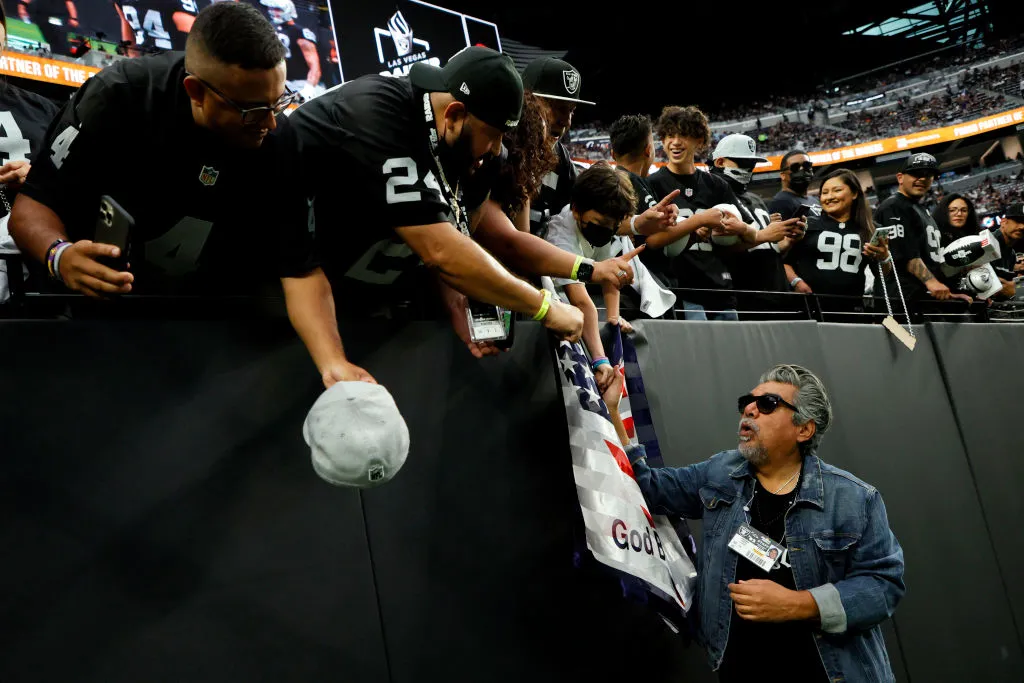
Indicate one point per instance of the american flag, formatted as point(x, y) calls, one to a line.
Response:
point(620, 530)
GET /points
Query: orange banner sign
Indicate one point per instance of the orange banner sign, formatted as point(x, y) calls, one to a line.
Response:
point(899, 143)
point(42, 69)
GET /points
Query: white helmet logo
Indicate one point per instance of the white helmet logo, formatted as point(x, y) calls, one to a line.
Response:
point(571, 78)
point(401, 33)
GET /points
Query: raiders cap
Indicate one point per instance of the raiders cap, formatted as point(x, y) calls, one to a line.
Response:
point(554, 79)
point(1015, 211)
point(484, 80)
point(737, 146)
point(920, 163)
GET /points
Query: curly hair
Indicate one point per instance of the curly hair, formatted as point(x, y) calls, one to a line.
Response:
point(603, 189)
point(630, 135)
point(941, 216)
point(530, 158)
point(689, 122)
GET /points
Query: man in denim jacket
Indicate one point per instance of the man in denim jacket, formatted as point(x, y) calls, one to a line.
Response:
point(815, 615)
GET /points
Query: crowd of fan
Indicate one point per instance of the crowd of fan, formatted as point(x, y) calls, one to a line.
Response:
point(952, 60)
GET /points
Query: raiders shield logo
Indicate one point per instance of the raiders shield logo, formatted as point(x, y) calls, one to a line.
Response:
point(208, 176)
point(571, 78)
point(750, 144)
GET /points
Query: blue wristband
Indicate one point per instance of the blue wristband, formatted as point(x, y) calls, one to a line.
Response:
point(599, 362)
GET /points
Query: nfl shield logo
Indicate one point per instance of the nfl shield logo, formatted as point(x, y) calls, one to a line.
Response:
point(689, 192)
point(208, 176)
point(571, 78)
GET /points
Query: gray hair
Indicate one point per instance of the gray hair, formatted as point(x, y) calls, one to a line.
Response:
point(811, 400)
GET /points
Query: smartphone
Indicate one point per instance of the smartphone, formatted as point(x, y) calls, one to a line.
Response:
point(885, 231)
point(114, 226)
point(802, 211)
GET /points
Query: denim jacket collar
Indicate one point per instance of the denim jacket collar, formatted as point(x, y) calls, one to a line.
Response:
point(812, 490)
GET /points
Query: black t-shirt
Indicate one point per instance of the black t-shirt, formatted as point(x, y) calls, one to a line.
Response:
point(296, 67)
point(760, 268)
point(152, 21)
point(644, 196)
point(829, 257)
point(201, 222)
point(1007, 257)
point(555, 192)
point(755, 649)
point(24, 117)
point(366, 157)
point(699, 265)
point(915, 235)
point(786, 203)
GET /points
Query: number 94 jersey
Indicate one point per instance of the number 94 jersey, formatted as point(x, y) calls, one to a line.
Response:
point(152, 21)
point(830, 257)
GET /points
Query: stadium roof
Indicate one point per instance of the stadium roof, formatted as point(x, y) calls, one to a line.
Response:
point(639, 56)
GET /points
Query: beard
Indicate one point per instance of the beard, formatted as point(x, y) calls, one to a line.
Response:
point(457, 158)
point(755, 453)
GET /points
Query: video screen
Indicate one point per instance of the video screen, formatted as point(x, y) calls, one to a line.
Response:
point(389, 38)
point(135, 27)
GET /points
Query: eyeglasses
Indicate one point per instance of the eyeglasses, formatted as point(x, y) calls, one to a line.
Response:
point(806, 166)
point(766, 403)
point(253, 114)
point(958, 210)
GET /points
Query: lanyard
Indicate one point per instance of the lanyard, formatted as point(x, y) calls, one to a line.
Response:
point(451, 198)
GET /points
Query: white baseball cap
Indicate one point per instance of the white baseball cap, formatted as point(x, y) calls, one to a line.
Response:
point(737, 146)
point(356, 435)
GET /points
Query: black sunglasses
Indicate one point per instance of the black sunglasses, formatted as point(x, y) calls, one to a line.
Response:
point(766, 403)
point(253, 114)
point(806, 166)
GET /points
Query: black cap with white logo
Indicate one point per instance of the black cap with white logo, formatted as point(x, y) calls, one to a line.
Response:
point(484, 80)
point(554, 79)
point(920, 164)
point(1015, 211)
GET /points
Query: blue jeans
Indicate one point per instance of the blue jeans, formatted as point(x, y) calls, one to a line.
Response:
point(697, 312)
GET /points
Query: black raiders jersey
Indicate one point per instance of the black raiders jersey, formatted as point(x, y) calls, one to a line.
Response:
point(760, 268)
point(830, 257)
point(204, 221)
point(698, 264)
point(24, 117)
point(366, 156)
point(555, 192)
point(297, 69)
point(915, 235)
point(152, 21)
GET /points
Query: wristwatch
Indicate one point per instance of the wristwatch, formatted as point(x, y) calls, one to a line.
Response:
point(585, 272)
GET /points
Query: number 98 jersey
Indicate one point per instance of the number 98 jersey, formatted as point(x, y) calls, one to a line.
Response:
point(830, 257)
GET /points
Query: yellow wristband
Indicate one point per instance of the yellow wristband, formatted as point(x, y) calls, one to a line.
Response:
point(575, 268)
point(544, 306)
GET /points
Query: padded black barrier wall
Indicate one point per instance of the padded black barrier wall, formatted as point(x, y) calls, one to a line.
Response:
point(161, 521)
point(954, 623)
point(984, 365)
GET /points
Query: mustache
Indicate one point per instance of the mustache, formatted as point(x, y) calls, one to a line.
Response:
point(746, 422)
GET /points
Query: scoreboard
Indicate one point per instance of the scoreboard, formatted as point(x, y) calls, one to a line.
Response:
point(388, 38)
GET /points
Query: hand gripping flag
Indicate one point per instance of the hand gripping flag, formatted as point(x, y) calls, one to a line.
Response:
point(620, 530)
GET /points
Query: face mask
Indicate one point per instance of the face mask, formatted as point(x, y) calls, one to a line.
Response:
point(738, 178)
point(597, 235)
point(800, 180)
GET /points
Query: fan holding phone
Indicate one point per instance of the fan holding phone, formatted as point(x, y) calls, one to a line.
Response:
point(840, 242)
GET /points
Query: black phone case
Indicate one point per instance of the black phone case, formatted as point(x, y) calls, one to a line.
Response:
point(114, 226)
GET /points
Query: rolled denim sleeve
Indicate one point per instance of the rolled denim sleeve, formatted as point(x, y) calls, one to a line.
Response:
point(874, 585)
point(669, 490)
